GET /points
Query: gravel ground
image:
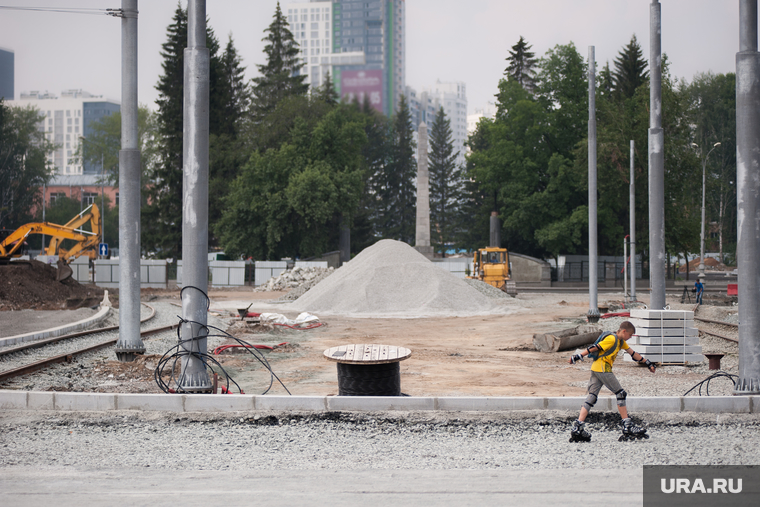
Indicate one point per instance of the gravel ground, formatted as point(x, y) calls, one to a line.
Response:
point(524, 440)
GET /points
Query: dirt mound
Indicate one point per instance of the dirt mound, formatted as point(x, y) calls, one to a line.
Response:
point(390, 278)
point(32, 285)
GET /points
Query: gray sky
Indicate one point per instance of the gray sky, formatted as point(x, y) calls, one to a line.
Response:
point(450, 40)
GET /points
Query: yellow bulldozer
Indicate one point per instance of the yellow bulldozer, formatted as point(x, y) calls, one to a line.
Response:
point(86, 242)
point(491, 265)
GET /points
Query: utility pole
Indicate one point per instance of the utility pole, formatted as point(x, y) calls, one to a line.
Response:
point(747, 189)
point(593, 311)
point(632, 226)
point(193, 331)
point(656, 163)
point(129, 343)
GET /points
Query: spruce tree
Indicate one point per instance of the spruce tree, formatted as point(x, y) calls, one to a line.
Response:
point(521, 62)
point(162, 217)
point(397, 193)
point(630, 70)
point(280, 76)
point(445, 182)
point(327, 91)
point(226, 146)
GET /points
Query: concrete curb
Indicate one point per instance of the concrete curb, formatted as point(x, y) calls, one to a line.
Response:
point(85, 402)
point(57, 331)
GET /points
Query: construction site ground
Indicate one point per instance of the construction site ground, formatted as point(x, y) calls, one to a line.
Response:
point(488, 355)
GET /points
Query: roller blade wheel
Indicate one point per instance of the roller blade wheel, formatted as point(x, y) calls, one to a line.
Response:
point(628, 438)
point(579, 438)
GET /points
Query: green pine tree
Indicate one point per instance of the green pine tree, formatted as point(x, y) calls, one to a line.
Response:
point(630, 70)
point(327, 92)
point(445, 182)
point(397, 192)
point(521, 62)
point(162, 217)
point(280, 76)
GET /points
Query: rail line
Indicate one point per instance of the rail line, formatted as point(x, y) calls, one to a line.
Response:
point(69, 356)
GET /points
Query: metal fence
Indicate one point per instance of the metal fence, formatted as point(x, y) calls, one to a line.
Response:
point(579, 272)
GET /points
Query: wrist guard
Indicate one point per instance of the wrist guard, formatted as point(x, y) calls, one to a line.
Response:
point(575, 358)
point(646, 362)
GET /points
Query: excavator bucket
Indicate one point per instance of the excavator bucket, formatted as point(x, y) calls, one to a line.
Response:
point(64, 271)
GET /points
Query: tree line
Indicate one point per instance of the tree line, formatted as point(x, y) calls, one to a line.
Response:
point(290, 167)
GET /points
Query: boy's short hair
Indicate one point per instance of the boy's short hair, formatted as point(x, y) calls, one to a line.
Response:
point(627, 326)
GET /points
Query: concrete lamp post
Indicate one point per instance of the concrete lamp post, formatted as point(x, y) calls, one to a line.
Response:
point(102, 189)
point(701, 275)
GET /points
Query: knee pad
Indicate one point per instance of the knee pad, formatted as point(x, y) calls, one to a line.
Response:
point(590, 401)
point(621, 396)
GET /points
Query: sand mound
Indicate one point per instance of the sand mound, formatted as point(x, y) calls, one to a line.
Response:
point(390, 278)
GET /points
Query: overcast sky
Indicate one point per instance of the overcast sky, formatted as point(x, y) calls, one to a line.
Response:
point(450, 40)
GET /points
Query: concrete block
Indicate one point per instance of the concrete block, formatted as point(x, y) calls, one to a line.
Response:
point(717, 404)
point(149, 402)
point(574, 404)
point(486, 404)
point(378, 403)
point(754, 404)
point(307, 403)
point(85, 401)
point(40, 401)
point(637, 404)
point(218, 402)
point(13, 400)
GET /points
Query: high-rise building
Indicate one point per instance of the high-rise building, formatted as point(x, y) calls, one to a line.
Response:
point(452, 97)
point(65, 120)
point(361, 43)
point(6, 74)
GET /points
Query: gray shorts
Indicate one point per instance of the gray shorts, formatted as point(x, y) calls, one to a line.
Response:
point(595, 383)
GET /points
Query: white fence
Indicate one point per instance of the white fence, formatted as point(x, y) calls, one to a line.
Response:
point(227, 273)
point(456, 267)
point(267, 269)
point(152, 273)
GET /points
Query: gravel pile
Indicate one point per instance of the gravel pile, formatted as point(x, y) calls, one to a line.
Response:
point(276, 441)
point(294, 278)
point(392, 279)
point(486, 289)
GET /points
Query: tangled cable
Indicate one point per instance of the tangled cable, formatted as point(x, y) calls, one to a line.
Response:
point(174, 357)
point(706, 382)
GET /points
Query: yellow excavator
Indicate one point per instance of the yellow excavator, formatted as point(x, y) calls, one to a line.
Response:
point(86, 242)
point(491, 265)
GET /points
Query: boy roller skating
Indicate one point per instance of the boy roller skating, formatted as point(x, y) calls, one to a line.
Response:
point(604, 352)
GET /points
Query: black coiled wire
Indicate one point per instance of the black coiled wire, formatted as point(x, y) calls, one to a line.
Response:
point(706, 382)
point(175, 355)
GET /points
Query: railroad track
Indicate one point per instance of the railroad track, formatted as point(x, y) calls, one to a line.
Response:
point(728, 324)
point(69, 355)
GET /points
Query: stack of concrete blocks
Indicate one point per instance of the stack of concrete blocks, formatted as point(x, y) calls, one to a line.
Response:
point(665, 336)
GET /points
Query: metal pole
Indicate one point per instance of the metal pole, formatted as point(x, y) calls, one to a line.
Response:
point(701, 275)
point(44, 192)
point(747, 190)
point(633, 228)
point(593, 311)
point(102, 202)
point(625, 269)
point(656, 163)
point(130, 343)
point(195, 148)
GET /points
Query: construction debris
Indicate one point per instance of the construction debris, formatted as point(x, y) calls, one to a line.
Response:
point(293, 278)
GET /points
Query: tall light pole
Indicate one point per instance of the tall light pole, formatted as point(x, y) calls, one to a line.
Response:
point(701, 275)
point(102, 188)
